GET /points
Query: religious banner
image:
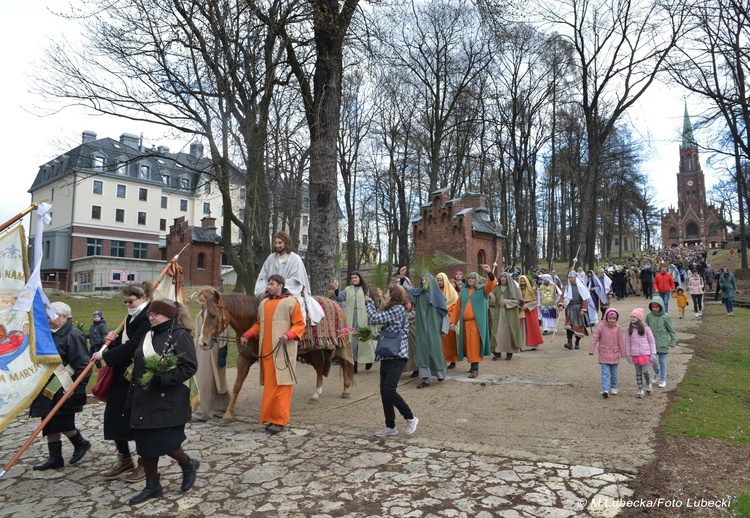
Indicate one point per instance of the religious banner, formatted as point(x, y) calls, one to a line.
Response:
point(28, 355)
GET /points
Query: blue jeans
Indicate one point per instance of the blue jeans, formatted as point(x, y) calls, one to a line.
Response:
point(390, 372)
point(729, 303)
point(609, 376)
point(660, 368)
point(665, 296)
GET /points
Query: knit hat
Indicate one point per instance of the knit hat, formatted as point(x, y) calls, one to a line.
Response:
point(164, 307)
point(572, 273)
point(609, 311)
point(638, 313)
point(98, 314)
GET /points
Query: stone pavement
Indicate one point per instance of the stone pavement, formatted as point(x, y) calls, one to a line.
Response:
point(531, 437)
point(305, 471)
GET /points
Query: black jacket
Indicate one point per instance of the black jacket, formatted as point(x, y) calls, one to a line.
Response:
point(71, 346)
point(166, 402)
point(119, 357)
point(97, 333)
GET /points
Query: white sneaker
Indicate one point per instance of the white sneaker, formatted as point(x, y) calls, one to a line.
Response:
point(385, 432)
point(411, 425)
point(649, 388)
point(662, 384)
point(640, 394)
point(613, 392)
point(605, 394)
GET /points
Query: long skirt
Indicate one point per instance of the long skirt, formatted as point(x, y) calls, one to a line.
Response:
point(155, 442)
point(576, 322)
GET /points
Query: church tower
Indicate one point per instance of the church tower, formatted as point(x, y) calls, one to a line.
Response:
point(693, 221)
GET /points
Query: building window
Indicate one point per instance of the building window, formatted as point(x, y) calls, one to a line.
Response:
point(207, 208)
point(712, 230)
point(240, 215)
point(141, 218)
point(201, 261)
point(131, 277)
point(93, 247)
point(122, 169)
point(185, 182)
point(145, 172)
point(120, 190)
point(165, 179)
point(163, 202)
point(98, 187)
point(305, 221)
point(45, 248)
point(183, 205)
point(117, 248)
point(142, 194)
point(672, 233)
point(98, 162)
point(162, 224)
point(96, 212)
point(140, 250)
point(120, 215)
point(242, 193)
point(304, 239)
point(207, 188)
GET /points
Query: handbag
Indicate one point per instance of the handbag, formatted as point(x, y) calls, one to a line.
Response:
point(389, 344)
point(105, 378)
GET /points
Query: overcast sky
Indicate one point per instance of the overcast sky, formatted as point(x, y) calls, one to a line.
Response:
point(28, 139)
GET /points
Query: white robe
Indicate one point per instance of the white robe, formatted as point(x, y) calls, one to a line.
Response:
point(291, 267)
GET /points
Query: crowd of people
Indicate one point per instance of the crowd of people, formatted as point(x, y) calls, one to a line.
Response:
point(424, 326)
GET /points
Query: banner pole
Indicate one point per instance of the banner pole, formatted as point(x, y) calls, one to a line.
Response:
point(18, 216)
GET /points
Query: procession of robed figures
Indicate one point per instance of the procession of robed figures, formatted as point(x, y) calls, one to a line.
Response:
point(444, 320)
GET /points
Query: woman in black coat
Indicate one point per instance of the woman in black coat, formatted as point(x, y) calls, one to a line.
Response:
point(119, 357)
point(161, 407)
point(71, 346)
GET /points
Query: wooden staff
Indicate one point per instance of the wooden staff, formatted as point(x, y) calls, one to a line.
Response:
point(18, 216)
point(80, 378)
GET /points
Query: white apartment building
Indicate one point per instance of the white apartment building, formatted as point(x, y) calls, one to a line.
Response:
point(112, 205)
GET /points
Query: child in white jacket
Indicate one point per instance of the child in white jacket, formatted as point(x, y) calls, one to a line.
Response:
point(640, 348)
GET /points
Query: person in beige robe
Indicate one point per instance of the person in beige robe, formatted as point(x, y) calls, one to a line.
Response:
point(211, 376)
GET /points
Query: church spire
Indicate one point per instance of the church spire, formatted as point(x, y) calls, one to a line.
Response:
point(687, 130)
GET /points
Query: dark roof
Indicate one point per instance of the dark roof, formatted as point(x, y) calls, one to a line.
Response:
point(122, 160)
point(205, 235)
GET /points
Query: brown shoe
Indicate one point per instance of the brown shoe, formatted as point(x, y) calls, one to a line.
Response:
point(137, 475)
point(120, 466)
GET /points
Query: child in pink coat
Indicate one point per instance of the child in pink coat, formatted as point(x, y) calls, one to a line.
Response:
point(611, 349)
point(640, 347)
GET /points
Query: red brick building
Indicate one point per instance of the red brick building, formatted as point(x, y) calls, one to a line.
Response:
point(201, 261)
point(459, 227)
point(692, 221)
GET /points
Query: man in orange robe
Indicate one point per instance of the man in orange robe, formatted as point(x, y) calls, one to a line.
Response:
point(279, 327)
point(473, 335)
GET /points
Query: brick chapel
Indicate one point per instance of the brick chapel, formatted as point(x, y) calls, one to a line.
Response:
point(692, 221)
point(459, 227)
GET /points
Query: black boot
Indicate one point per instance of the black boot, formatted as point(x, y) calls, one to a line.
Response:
point(55, 457)
point(81, 447)
point(189, 472)
point(569, 345)
point(153, 489)
point(368, 366)
point(578, 343)
point(355, 367)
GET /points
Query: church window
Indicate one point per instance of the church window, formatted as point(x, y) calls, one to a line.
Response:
point(672, 233)
point(481, 259)
point(712, 230)
point(692, 231)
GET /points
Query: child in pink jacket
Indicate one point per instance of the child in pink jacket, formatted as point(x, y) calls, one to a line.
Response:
point(640, 347)
point(611, 349)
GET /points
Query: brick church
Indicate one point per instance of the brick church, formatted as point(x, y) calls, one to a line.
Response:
point(693, 221)
point(459, 227)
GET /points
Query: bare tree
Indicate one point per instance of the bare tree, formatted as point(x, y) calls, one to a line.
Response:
point(201, 68)
point(620, 48)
